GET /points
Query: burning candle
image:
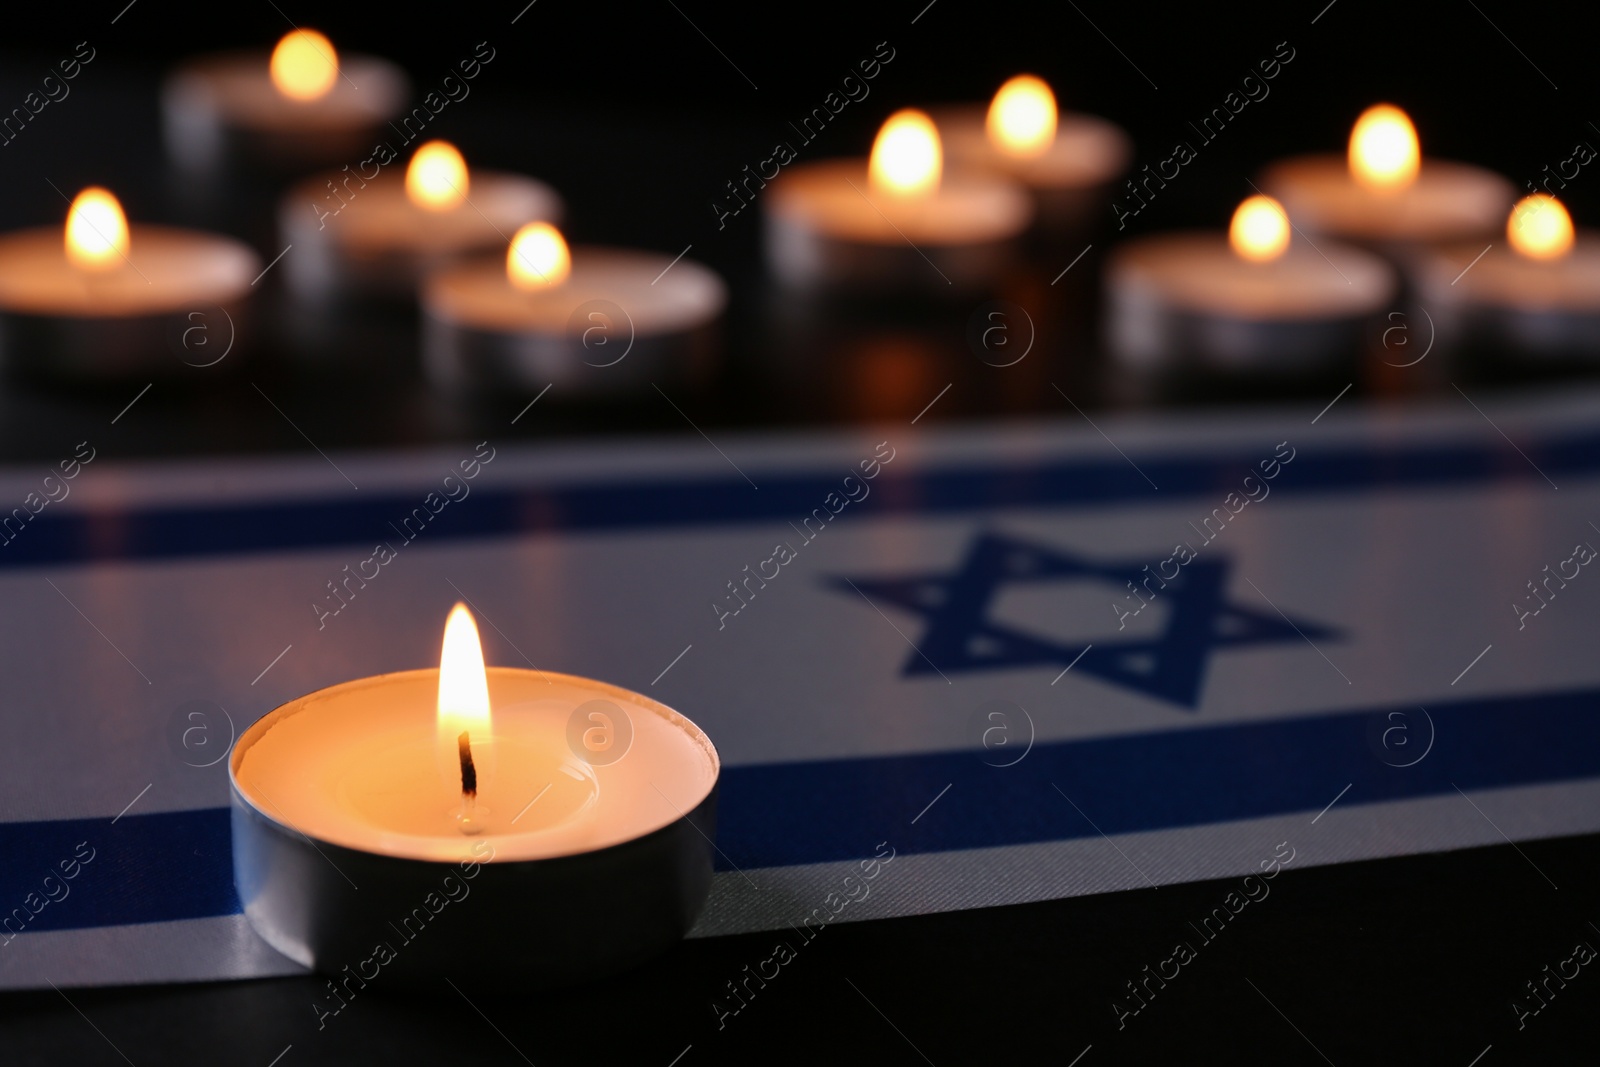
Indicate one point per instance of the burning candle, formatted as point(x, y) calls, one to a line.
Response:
point(102, 300)
point(896, 223)
point(1384, 193)
point(589, 320)
point(302, 105)
point(380, 236)
point(1066, 160)
point(537, 796)
point(1255, 300)
point(1537, 295)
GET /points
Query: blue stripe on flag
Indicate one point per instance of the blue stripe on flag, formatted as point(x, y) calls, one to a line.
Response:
point(143, 869)
point(55, 537)
point(839, 810)
point(176, 865)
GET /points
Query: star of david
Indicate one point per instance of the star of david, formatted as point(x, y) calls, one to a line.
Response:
point(1170, 666)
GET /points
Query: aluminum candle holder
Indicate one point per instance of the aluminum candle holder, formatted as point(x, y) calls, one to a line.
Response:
point(222, 112)
point(1538, 297)
point(621, 320)
point(1202, 301)
point(895, 222)
point(540, 908)
point(823, 233)
point(1069, 180)
point(113, 302)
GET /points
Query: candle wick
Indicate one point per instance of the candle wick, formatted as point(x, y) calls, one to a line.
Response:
point(469, 772)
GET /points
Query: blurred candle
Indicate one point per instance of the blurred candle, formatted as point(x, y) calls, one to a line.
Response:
point(1537, 296)
point(97, 299)
point(590, 321)
point(1254, 302)
point(1066, 160)
point(1383, 192)
point(897, 223)
point(303, 105)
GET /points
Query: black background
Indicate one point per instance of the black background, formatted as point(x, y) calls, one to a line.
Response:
point(612, 71)
point(639, 121)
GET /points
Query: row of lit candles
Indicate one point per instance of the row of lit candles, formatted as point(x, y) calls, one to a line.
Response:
point(823, 227)
point(905, 163)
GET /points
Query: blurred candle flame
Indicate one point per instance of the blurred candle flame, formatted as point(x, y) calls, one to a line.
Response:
point(1260, 230)
point(436, 178)
point(304, 65)
point(1540, 228)
point(906, 157)
point(538, 257)
point(1384, 154)
point(1022, 118)
point(97, 231)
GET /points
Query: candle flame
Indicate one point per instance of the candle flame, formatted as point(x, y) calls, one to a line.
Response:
point(304, 65)
point(1384, 154)
point(463, 683)
point(1022, 118)
point(906, 157)
point(538, 257)
point(436, 178)
point(1540, 228)
point(97, 231)
point(1260, 230)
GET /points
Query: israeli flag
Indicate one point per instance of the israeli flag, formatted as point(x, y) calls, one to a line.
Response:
point(945, 669)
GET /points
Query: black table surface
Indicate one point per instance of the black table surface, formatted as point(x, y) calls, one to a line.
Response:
point(1408, 960)
point(1405, 961)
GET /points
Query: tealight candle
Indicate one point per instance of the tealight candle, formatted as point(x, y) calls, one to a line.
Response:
point(106, 301)
point(380, 236)
point(566, 823)
point(1538, 295)
point(1384, 192)
point(303, 106)
point(1064, 159)
point(590, 321)
point(1254, 300)
point(896, 223)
